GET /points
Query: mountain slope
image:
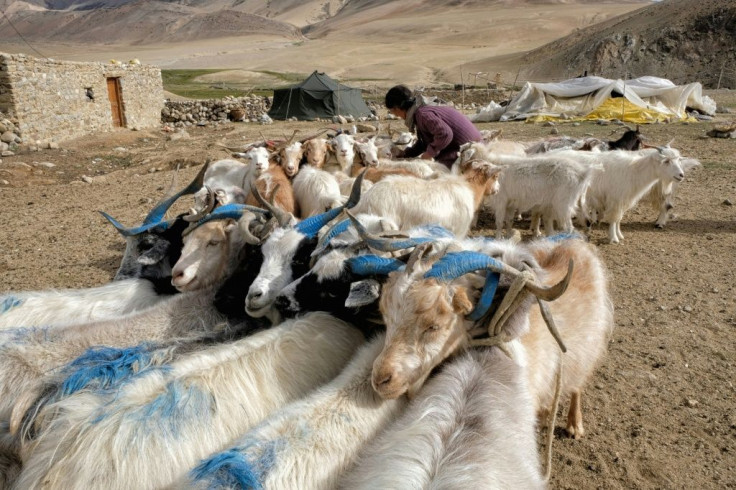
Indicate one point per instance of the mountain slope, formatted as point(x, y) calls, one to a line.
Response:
point(682, 40)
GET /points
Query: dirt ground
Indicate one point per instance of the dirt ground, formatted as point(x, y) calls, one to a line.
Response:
point(659, 412)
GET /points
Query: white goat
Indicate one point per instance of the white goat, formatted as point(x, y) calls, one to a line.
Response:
point(450, 201)
point(471, 426)
point(315, 191)
point(550, 185)
point(343, 149)
point(625, 177)
point(425, 309)
point(662, 194)
point(310, 443)
point(157, 427)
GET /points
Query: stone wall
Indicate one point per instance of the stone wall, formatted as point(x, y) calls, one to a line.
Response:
point(50, 101)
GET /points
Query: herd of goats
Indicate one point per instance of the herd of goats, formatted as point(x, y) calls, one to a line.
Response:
point(320, 318)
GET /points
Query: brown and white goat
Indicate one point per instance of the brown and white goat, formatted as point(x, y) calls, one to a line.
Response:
point(426, 321)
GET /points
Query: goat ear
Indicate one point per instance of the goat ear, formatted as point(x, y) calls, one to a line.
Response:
point(460, 302)
point(363, 293)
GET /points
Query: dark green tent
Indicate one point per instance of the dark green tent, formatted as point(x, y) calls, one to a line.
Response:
point(317, 96)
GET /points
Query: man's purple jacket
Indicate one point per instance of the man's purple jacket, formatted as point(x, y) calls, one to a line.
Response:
point(440, 132)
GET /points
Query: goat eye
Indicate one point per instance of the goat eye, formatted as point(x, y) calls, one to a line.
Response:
point(431, 329)
point(212, 243)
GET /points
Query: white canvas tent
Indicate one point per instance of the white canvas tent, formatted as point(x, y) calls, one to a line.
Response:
point(641, 100)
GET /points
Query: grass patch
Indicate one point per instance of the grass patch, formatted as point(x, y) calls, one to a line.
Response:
point(182, 82)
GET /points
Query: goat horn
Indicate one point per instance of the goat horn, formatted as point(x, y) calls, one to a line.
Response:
point(156, 214)
point(244, 224)
point(416, 255)
point(385, 244)
point(547, 315)
point(196, 215)
point(319, 133)
point(369, 265)
point(355, 191)
point(282, 217)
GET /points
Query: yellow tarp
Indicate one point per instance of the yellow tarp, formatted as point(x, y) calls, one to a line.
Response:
point(617, 108)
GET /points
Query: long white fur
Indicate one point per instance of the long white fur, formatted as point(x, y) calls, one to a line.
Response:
point(412, 202)
point(116, 441)
point(36, 352)
point(549, 185)
point(56, 307)
point(318, 437)
point(662, 194)
point(315, 191)
point(471, 426)
point(625, 177)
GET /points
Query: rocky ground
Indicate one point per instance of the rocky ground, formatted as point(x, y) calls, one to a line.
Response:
point(659, 412)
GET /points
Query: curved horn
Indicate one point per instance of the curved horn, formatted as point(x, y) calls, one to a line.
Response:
point(244, 224)
point(385, 244)
point(283, 217)
point(416, 256)
point(369, 265)
point(229, 211)
point(332, 232)
point(137, 230)
point(195, 215)
point(319, 133)
point(486, 297)
point(159, 210)
point(455, 264)
point(355, 191)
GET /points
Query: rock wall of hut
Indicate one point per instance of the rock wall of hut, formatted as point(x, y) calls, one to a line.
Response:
point(59, 100)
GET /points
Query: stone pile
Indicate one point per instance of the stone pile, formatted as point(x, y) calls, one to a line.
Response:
point(250, 108)
point(9, 135)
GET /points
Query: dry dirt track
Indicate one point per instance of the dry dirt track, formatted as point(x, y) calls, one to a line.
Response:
point(659, 412)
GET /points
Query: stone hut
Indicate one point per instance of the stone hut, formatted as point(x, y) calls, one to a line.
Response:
point(58, 100)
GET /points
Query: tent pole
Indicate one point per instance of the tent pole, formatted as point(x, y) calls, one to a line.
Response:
point(288, 104)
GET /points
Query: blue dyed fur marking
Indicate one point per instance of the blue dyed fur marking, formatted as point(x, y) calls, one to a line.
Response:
point(10, 302)
point(565, 236)
point(105, 367)
point(233, 468)
point(178, 405)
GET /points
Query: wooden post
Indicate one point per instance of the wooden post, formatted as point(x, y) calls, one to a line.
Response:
point(511, 96)
point(462, 83)
point(721, 75)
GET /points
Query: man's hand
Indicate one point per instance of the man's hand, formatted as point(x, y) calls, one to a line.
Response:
point(425, 156)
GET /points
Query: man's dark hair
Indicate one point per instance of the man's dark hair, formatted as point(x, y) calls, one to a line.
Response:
point(399, 96)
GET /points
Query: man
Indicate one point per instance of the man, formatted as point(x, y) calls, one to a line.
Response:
point(440, 129)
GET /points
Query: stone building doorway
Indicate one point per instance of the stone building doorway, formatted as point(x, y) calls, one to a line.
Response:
point(116, 102)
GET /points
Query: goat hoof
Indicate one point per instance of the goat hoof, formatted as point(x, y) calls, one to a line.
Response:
point(659, 226)
point(576, 432)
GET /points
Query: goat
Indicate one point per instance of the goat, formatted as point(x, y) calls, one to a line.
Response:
point(25, 361)
point(471, 426)
point(662, 194)
point(342, 147)
point(290, 156)
point(550, 185)
point(310, 443)
point(196, 405)
point(315, 191)
point(274, 185)
point(429, 315)
point(367, 157)
point(316, 151)
point(631, 140)
point(153, 247)
point(143, 279)
point(625, 177)
point(450, 201)
point(286, 253)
